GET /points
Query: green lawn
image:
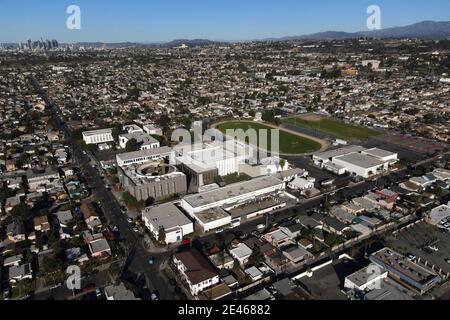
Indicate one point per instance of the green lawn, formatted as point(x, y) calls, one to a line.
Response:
point(289, 143)
point(336, 128)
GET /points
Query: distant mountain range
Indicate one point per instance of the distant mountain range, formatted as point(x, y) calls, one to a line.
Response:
point(423, 30)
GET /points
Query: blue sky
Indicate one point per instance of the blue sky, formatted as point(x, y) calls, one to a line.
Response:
point(163, 20)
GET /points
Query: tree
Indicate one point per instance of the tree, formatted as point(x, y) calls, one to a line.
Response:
point(162, 235)
point(257, 257)
point(21, 212)
point(149, 202)
point(115, 180)
point(116, 131)
point(132, 145)
point(130, 201)
point(282, 164)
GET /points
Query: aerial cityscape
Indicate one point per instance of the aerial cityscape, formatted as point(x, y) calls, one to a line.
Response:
point(220, 166)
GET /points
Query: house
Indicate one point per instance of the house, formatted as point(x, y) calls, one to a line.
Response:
point(309, 222)
point(293, 230)
point(277, 238)
point(296, 254)
point(301, 184)
point(90, 216)
point(41, 224)
point(16, 232)
point(64, 217)
point(119, 292)
point(76, 255)
point(334, 225)
point(352, 208)
point(12, 261)
point(100, 248)
point(170, 219)
point(241, 253)
point(222, 260)
point(230, 281)
point(196, 271)
point(423, 181)
point(342, 215)
point(254, 273)
point(216, 292)
point(11, 202)
point(19, 273)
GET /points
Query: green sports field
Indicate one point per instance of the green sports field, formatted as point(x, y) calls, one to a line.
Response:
point(336, 128)
point(289, 143)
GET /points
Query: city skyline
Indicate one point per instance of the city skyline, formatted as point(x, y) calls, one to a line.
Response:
point(156, 21)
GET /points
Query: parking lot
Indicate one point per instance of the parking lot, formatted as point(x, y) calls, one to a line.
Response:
point(417, 241)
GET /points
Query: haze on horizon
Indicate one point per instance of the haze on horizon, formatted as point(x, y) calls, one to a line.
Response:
point(227, 20)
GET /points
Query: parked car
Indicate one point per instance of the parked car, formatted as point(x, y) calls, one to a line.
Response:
point(411, 257)
point(261, 227)
point(433, 248)
point(220, 230)
point(130, 220)
point(447, 260)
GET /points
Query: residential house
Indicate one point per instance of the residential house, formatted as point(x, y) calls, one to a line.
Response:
point(196, 271)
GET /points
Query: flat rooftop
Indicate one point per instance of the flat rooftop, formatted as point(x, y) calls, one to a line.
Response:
point(246, 209)
point(361, 160)
point(235, 190)
point(163, 151)
point(339, 152)
point(364, 275)
point(211, 215)
point(401, 264)
point(96, 132)
point(379, 153)
point(166, 215)
point(132, 173)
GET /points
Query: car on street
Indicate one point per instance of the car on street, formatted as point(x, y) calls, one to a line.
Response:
point(411, 257)
point(136, 230)
point(447, 260)
point(155, 296)
point(433, 248)
point(220, 230)
point(130, 220)
point(7, 294)
point(98, 294)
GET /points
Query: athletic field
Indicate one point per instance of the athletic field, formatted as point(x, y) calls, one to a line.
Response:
point(336, 128)
point(289, 143)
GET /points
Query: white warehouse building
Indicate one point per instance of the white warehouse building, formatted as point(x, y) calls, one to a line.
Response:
point(209, 209)
point(361, 165)
point(98, 136)
point(356, 160)
point(232, 195)
point(168, 217)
